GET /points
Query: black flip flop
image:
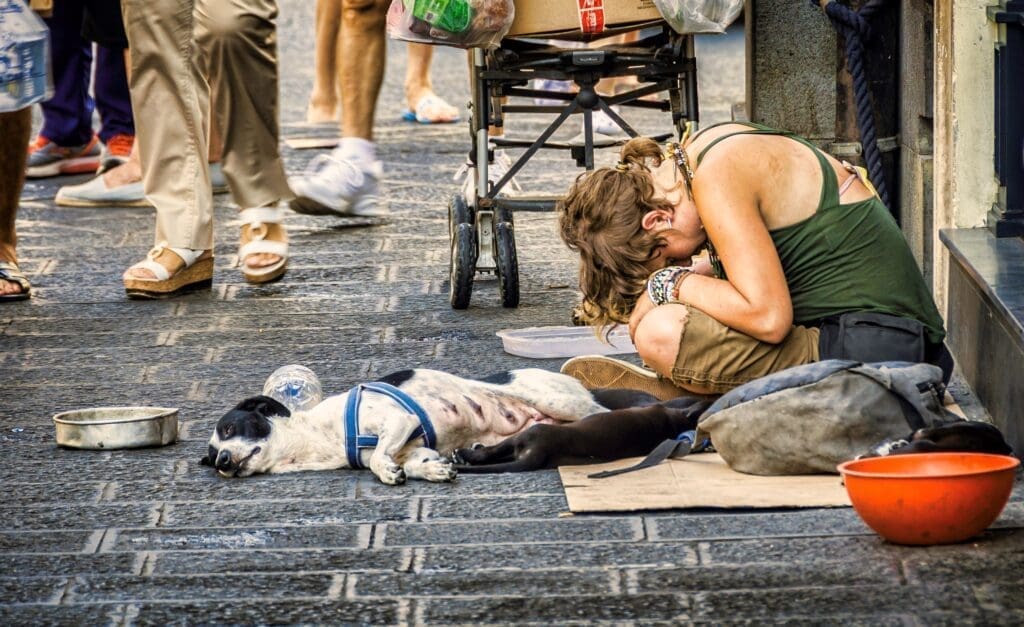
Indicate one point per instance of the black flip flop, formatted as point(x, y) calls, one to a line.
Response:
point(10, 272)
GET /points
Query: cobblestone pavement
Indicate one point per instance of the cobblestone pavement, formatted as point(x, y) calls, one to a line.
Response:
point(151, 537)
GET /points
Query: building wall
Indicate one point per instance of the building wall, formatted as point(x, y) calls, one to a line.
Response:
point(965, 184)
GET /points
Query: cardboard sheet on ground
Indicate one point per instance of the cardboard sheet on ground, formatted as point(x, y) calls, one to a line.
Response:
point(701, 480)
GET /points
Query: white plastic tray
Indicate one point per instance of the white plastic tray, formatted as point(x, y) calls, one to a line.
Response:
point(544, 342)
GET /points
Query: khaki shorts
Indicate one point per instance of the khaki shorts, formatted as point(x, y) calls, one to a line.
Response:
point(713, 356)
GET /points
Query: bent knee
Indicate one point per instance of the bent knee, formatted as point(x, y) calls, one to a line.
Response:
point(221, 23)
point(658, 334)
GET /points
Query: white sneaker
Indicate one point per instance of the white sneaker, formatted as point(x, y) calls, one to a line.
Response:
point(495, 172)
point(336, 185)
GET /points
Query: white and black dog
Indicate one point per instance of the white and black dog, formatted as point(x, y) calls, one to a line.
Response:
point(416, 423)
point(404, 425)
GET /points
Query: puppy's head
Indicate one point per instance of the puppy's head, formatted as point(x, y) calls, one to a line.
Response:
point(962, 436)
point(241, 436)
point(968, 436)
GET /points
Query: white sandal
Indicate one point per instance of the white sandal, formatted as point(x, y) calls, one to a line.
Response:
point(257, 219)
point(197, 273)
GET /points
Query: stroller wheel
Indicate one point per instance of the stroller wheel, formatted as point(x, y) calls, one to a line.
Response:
point(506, 263)
point(462, 265)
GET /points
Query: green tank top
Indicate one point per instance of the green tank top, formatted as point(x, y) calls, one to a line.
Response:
point(848, 257)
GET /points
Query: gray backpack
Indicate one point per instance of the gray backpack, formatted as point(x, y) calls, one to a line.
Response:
point(810, 418)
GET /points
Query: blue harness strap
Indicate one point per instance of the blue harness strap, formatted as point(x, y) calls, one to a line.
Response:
point(354, 441)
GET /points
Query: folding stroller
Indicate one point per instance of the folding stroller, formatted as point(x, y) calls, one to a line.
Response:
point(481, 226)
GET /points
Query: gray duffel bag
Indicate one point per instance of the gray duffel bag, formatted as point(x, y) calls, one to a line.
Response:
point(810, 418)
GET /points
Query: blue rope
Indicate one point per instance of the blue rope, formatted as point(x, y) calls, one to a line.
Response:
point(855, 29)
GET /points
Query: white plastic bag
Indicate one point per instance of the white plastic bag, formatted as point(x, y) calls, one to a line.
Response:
point(24, 56)
point(699, 16)
point(459, 23)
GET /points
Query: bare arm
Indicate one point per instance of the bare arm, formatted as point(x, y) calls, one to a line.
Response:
point(755, 298)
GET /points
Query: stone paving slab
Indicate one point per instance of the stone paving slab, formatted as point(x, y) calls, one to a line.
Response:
point(149, 536)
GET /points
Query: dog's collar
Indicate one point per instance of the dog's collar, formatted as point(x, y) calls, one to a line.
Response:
point(354, 441)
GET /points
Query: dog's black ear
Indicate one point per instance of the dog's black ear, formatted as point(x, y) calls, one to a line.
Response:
point(263, 406)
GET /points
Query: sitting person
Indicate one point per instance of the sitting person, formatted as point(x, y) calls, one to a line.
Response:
point(802, 262)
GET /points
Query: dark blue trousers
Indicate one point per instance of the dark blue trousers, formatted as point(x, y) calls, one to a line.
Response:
point(67, 117)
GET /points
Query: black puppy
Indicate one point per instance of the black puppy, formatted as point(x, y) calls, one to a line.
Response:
point(963, 436)
point(637, 424)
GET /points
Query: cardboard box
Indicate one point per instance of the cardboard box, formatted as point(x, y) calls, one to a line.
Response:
point(582, 18)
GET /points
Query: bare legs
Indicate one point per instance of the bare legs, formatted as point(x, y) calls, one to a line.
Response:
point(323, 102)
point(329, 82)
point(15, 128)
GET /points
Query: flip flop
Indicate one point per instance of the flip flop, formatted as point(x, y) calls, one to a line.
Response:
point(10, 272)
point(430, 110)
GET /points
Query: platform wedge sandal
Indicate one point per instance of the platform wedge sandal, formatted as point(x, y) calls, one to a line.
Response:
point(193, 271)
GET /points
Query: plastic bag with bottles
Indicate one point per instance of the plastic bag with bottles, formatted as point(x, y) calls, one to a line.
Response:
point(699, 16)
point(459, 23)
point(24, 56)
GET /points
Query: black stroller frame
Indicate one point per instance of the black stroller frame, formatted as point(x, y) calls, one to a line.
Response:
point(481, 227)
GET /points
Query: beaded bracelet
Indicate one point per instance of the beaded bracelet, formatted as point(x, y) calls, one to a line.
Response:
point(661, 285)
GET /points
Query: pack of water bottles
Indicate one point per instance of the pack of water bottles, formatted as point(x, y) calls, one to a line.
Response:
point(24, 56)
point(459, 23)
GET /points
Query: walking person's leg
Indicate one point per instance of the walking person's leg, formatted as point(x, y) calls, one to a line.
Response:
point(66, 143)
point(323, 100)
point(172, 141)
point(425, 106)
point(15, 128)
point(238, 43)
point(102, 23)
point(346, 182)
point(113, 102)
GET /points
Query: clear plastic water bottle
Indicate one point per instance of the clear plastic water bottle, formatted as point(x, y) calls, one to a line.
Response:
point(294, 386)
point(24, 56)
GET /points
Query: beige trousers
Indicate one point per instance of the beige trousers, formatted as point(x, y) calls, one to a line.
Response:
point(174, 45)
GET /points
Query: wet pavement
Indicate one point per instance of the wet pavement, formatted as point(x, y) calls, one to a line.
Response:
point(151, 537)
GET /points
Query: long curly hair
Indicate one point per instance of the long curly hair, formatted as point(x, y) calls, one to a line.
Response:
point(600, 217)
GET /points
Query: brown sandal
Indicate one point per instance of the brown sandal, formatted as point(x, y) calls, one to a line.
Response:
point(194, 272)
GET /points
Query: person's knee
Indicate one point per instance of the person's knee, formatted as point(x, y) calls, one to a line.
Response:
point(222, 24)
point(364, 15)
point(657, 337)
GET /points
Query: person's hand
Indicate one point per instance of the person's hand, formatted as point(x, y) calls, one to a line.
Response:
point(644, 305)
point(703, 266)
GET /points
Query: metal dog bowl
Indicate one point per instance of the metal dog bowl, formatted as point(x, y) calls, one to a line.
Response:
point(117, 427)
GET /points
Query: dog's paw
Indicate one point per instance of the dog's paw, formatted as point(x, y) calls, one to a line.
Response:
point(391, 474)
point(439, 471)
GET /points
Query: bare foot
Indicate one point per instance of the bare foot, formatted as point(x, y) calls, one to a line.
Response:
point(9, 287)
point(439, 111)
point(319, 112)
point(274, 233)
point(168, 259)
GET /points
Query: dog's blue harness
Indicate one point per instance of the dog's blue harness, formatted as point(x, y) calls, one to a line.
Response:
point(354, 441)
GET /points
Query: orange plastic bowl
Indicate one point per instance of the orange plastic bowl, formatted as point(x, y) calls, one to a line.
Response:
point(929, 498)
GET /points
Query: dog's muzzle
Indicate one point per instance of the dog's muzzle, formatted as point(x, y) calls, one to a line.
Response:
point(223, 462)
point(225, 465)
